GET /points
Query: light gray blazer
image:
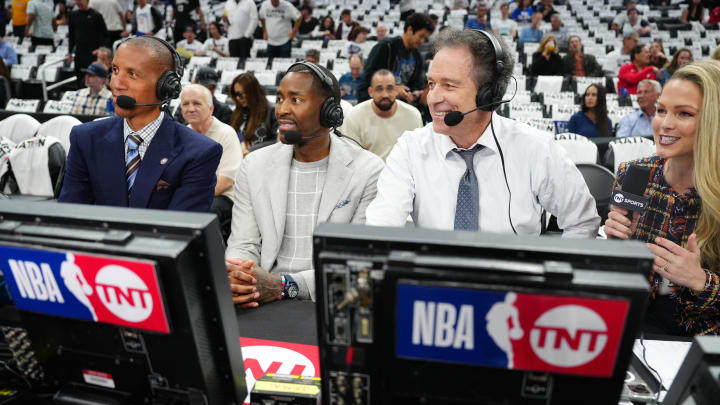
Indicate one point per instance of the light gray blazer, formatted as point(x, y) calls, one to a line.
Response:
point(261, 185)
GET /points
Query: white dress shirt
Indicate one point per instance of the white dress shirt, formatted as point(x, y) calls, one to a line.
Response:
point(242, 18)
point(422, 175)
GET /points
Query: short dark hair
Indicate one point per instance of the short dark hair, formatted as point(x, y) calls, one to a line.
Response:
point(317, 83)
point(345, 12)
point(312, 53)
point(419, 21)
point(160, 53)
point(382, 72)
point(636, 50)
point(483, 55)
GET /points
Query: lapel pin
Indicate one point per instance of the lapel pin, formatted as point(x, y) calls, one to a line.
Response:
point(163, 161)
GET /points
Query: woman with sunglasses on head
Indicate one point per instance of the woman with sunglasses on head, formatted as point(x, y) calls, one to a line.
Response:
point(254, 117)
point(682, 221)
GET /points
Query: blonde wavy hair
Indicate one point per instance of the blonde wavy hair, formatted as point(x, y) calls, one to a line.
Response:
point(706, 75)
point(545, 40)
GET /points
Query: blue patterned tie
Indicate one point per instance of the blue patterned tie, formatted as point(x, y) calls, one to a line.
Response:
point(132, 160)
point(468, 198)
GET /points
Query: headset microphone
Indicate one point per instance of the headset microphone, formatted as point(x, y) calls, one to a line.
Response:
point(128, 103)
point(455, 117)
point(295, 137)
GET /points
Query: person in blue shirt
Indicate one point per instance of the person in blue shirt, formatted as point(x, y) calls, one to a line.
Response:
point(523, 13)
point(639, 122)
point(479, 22)
point(592, 121)
point(350, 81)
point(533, 33)
point(7, 53)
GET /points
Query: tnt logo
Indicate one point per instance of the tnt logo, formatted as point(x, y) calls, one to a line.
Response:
point(123, 293)
point(618, 198)
point(568, 346)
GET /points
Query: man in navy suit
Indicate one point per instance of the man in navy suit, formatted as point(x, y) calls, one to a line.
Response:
point(141, 158)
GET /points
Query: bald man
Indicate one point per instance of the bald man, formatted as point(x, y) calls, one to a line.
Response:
point(141, 158)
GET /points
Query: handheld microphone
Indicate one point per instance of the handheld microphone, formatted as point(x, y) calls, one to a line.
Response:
point(128, 103)
point(633, 187)
point(295, 137)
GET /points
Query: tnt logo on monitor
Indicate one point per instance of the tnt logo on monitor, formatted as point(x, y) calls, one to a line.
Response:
point(95, 288)
point(536, 332)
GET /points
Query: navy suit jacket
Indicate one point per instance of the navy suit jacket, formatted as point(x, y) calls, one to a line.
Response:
point(177, 172)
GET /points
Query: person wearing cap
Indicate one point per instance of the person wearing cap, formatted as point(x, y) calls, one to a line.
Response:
point(189, 44)
point(92, 100)
point(209, 77)
point(196, 103)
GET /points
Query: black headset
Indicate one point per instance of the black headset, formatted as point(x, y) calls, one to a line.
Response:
point(488, 96)
point(169, 85)
point(331, 113)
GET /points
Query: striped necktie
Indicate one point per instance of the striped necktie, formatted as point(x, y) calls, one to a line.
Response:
point(132, 160)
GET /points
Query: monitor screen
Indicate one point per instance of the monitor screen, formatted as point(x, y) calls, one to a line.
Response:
point(123, 305)
point(416, 315)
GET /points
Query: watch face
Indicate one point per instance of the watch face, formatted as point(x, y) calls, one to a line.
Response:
point(292, 291)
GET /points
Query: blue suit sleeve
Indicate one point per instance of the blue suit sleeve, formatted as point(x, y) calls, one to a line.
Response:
point(76, 183)
point(198, 182)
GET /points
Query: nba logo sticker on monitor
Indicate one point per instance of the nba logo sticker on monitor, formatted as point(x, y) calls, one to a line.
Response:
point(536, 332)
point(123, 292)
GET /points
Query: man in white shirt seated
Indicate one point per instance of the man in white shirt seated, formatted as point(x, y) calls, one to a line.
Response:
point(378, 123)
point(620, 55)
point(484, 173)
point(189, 44)
point(196, 103)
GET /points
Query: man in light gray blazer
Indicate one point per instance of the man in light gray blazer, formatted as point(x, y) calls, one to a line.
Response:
point(283, 191)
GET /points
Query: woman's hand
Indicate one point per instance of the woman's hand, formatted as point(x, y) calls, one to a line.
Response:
point(677, 264)
point(618, 225)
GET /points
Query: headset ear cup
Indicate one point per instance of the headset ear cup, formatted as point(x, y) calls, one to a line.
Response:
point(331, 113)
point(168, 86)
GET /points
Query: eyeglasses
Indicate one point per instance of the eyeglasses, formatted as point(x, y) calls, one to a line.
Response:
point(239, 95)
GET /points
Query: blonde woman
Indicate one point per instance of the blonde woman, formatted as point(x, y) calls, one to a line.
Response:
point(684, 239)
point(546, 61)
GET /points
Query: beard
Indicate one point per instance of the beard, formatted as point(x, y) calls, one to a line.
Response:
point(384, 104)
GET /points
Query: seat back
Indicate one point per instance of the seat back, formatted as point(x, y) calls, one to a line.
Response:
point(59, 127)
point(578, 148)
point(19, 127)
point(627, 149)
point(599, 181)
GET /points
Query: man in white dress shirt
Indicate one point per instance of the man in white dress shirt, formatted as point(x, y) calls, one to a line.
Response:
point(453, 177)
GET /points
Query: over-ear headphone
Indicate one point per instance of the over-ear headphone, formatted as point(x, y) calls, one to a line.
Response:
point(168, 86)
point(331, 113)
point(488, 95)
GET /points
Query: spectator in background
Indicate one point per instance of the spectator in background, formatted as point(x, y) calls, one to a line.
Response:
point(196, 103)
point(216, 45)
point(407, 8)
point(657, 55)
point(523, 13)
point(714, 17)
point(189, 44)
point(635, 24)
point(578, 63)
point(400, 56)
point(146, 20)
point(40, 25)
point(208, 78)
point(313, 55)
point(114, 19)
point(682, 57)
point(7, 55)
point(546, 9)
point(479, 22)
point(182, 15)
point(241, 16)
point(308, 24)
point(4, 15)
point(545, 60)
point(380, 32)
point(280, 21)
point(103, 56)
point(506, 26)
point(532, 33)
point(693, 12)
point(86, 33)
point(621, 18)
point(346, 26)
point(378, 123)
point(92, 100)
point(638, 69)
point(326, 29)
point(254, 117)
point(360, 37)
point(620, 56)
point(560, 32)
point(351, 81)
point(592, 121)
point(639, 123)
point(19, 18)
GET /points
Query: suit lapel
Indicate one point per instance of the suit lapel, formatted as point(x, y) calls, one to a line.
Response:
point(337, 178)
point(161, 147)
point(277, 187)
point(112, 158)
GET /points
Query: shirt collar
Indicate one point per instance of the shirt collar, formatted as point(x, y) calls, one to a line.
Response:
point(446, 144)
point(146, 132)
point(641, 113)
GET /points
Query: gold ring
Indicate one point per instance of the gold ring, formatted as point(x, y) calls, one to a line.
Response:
point(665, 267)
